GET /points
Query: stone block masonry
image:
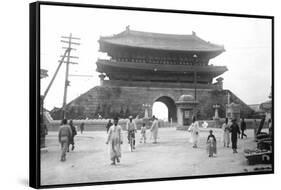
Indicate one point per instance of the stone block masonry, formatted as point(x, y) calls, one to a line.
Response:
point(109, 101)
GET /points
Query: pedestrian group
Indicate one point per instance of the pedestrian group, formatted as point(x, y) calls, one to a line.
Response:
point(230, 131)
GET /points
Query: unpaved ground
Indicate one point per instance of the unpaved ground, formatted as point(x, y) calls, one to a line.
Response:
point(173, 156)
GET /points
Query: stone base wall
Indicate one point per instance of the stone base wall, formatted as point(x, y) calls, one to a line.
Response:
point(110, 101)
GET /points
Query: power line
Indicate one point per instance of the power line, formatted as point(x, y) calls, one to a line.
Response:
point(70, 40)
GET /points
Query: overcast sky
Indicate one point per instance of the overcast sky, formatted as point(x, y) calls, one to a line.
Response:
point(247, 42)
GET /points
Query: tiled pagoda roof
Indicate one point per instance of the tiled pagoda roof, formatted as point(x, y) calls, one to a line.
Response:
point(173, 42)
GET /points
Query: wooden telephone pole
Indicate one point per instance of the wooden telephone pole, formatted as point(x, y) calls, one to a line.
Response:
point(68, 56)
point(69, 40)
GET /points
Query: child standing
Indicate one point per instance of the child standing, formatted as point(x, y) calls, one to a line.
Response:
point(143, 133)
point(211, 144)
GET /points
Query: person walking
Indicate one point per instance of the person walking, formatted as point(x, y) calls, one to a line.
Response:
point(132, 129)
point(108, 125)
point(143, 134)
point(114, 139)
point(74, 132)
point(226, 133)
point(64, 136)
point(194, 129)
point(235, 132)
point(82, 125)
point(243, 128)
point(154, 129)
point(211, 144)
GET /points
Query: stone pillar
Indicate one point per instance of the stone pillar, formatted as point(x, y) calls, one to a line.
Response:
point(179, 116)
point(186, 109)
point(101, 76)
point(216, 107)
point(219, 83)
point(146, 110)
point(233, 111)
point(216, 117)
point(146, 114)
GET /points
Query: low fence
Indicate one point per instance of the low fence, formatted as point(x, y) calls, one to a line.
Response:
point(250, 124)
point(90, 124)
point(100, 124)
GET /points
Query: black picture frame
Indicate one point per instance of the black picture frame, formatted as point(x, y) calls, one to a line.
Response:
point(34, 82)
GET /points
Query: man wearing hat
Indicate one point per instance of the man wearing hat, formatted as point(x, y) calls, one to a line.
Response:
point(132, 129)
point(235, 132)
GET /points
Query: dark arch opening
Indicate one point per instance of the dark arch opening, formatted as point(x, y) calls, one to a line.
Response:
point(172, 109)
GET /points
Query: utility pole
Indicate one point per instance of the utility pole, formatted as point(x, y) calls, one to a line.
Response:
point(65, 55)
point(69, 40)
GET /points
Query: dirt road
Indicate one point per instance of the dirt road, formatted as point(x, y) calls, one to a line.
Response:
point(173, 156)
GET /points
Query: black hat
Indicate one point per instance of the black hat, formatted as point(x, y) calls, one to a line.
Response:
point(64, 121)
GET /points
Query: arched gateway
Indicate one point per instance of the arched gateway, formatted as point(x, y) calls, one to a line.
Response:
point(172, 109)
point(147, 67)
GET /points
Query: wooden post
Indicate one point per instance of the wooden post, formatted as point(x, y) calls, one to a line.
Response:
point(66, 83)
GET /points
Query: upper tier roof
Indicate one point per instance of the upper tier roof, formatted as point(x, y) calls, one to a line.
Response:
point(148, 40)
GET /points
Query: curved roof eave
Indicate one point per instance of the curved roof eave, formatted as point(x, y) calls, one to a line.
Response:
point(219, 50)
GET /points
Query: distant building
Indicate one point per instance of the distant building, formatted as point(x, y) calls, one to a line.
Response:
point(258, 111)
point(267, 107)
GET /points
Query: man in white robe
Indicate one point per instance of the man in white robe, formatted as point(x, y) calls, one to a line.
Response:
point(194, 129)
point(114, 140)
point(154, 129)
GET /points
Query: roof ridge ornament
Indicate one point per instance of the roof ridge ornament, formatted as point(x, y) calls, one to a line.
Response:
point(193, 33)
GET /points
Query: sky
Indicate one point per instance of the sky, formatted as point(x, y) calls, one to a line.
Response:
point(247, 42)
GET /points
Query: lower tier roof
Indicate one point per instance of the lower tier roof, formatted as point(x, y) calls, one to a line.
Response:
point(105, 66)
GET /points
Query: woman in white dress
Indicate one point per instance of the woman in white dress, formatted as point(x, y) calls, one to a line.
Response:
point(226, 133)
point(194, 129)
